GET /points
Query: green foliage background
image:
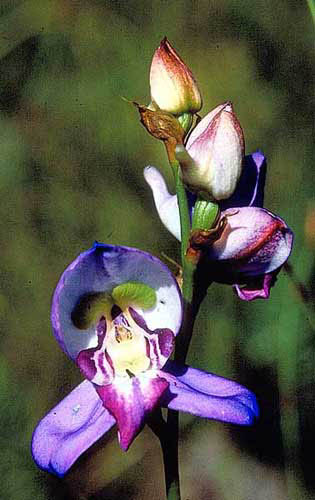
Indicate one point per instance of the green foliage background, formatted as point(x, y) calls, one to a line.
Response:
point(72, 153)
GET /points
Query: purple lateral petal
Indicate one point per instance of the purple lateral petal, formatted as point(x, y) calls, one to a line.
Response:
point(130, 401)
point(249, 191)
point(100, 269)
point(69, 429)
point(258, 288)
point(209, 396)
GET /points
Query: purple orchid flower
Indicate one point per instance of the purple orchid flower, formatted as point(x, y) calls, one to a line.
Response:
point(255, 243)
point(122, 344)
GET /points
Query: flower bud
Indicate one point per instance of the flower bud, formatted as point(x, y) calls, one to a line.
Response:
point(173, 87)
point(251, 251)
point(254, 242)
point(216, 148)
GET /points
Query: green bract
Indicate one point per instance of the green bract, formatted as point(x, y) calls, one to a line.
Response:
point(205, 214)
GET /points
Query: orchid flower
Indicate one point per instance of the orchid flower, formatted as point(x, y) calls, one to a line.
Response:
point(115, 313)
point(255, 243)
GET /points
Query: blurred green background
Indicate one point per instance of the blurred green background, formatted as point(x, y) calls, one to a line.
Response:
point(72, 154)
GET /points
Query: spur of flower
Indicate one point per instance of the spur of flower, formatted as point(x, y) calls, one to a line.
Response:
point(255, 243)
point(115, 313)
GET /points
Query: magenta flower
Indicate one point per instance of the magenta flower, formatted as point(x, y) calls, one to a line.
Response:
point(255, 243)
point(115, 312)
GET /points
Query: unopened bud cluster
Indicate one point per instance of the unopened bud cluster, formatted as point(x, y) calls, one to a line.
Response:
point(211, 160)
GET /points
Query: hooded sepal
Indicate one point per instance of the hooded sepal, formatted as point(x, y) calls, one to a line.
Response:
point(101, 269)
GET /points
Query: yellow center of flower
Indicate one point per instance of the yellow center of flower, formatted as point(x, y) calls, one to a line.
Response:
point(127, 350)
point(125, 341)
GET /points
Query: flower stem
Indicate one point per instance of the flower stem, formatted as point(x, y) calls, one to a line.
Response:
point(170, 452)
point(183, 209)
point(170, 449)
point(192, 300)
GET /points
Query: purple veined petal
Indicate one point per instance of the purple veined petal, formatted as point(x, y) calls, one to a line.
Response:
point(255, 242)
point(160, 342)
point(69, 429)
point(93, 363)
point(130, 401)
point(209, 396)
point(249, 191)
point(100, 269)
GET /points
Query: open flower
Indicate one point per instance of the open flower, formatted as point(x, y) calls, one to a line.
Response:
point(213, 158)
point(115, 312)
point(255, 243)
point(173, 86)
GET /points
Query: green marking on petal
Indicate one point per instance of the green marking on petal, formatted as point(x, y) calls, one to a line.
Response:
point(134, 294)
point(90, 308)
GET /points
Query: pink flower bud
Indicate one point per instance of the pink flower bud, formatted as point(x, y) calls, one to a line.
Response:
point(216, 147)
point(173, 87)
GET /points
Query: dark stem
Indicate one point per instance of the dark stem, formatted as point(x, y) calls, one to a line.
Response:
point(192, 302)
point(169, 450)
point(191, 309)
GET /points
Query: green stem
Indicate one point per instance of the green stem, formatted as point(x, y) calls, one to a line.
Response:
point(171, 463)
point(183, 209)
